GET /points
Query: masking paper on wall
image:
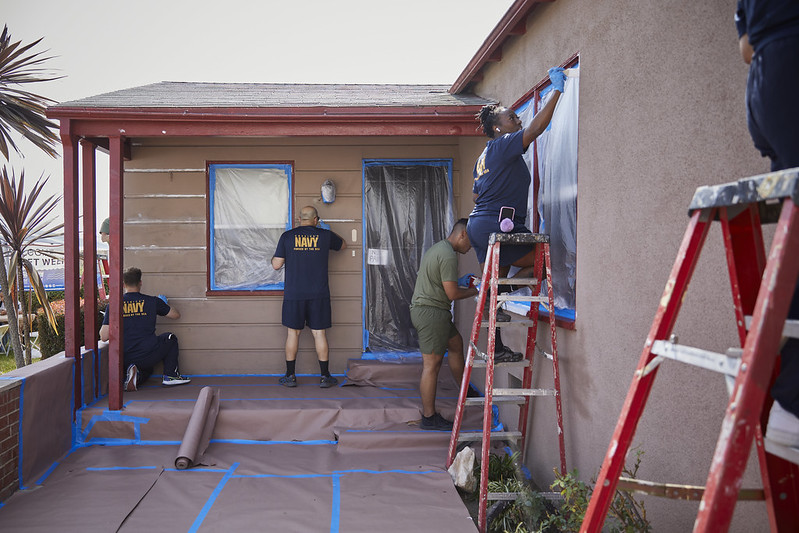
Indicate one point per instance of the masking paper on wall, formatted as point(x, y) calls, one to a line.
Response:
point(557, 192)
point(250, 213)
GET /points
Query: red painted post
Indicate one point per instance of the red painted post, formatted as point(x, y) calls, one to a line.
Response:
point(115, 251)
point(90, 259)
point(71, 257)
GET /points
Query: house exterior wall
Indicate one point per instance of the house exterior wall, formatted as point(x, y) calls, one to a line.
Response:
point(165, 235)
point(661, 113)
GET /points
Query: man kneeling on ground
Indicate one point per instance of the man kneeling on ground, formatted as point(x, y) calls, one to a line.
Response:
point(436, 288)
point(143, 349)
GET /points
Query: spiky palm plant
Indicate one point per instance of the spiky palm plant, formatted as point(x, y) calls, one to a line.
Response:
point(24, 221)
point(21, 110)
point(24, 112)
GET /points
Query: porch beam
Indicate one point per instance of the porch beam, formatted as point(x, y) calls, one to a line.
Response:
point(90, 258)
point(69, 142)
point(115, 251)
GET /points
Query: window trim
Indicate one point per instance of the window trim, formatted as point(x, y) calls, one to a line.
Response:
point(210, 168)
point(533, 97)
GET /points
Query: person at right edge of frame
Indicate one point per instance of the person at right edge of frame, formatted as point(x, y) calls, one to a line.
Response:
point(437, 285)
point(502, 180)
point(304, 251)
point(768, 32)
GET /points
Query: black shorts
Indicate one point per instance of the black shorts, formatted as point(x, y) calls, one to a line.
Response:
point(315, 313)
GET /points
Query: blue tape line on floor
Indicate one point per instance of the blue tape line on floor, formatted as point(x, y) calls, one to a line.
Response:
point(112, 416)
point(47, 474)
point(104, 468)
point(270, 442)
point(212, 498)
point(335, 512)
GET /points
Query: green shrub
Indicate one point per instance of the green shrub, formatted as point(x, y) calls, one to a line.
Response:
point(50, 342)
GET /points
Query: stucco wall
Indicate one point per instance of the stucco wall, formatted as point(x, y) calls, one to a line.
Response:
point(165, 235)
point(661, 113)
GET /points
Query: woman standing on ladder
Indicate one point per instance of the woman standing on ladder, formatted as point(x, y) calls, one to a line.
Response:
point(502, 180)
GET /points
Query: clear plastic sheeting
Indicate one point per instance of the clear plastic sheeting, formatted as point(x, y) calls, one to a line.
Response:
point(250, 211)
point(557, 192)
point(407, 209)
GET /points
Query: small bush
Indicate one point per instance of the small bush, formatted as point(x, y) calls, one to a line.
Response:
point(50, 342)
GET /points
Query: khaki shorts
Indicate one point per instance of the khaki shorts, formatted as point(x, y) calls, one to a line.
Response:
point(435, 328)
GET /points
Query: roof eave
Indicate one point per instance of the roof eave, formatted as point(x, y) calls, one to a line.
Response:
point(512, 23)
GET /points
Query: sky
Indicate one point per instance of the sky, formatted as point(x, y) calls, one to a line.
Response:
point(100, 46)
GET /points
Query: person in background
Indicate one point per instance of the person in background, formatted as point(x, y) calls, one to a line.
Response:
point(143, 349)
point(437, 285)
point(304, 251)
point(768, 32)
point(502, 179)
point(105, 230)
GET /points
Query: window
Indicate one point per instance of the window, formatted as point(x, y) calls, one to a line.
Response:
point(553, 193)
point(249, 208)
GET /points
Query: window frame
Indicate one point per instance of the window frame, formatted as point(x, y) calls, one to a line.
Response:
point(533, 97)
point(210, 169)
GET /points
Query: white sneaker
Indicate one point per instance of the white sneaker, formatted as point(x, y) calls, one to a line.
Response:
point(783, 426)
point(131, 377)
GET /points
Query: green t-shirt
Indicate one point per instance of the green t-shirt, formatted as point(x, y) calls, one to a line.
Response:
point(439, 264)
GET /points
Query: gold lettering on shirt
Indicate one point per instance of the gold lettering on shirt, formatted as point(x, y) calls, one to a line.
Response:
point(481, 167)
point(305, 243)
point(133, 308)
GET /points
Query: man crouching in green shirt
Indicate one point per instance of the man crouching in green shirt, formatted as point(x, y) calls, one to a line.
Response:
point(436, 288)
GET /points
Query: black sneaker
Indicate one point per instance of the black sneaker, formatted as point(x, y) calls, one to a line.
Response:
point(506, 355)
point(502, 316)
point(327, 381)
point(288, 381)
point(169, 381)
point(435, 423)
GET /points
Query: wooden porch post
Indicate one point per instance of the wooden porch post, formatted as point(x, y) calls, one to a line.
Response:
point(115, 250)
point(90, 258)
point(71, 257)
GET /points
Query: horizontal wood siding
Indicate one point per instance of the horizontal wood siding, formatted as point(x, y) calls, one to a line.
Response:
point(165, 235)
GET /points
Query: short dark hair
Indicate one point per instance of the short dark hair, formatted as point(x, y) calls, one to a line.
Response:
point(131, 276)
point(460, 223)
point(488, 117)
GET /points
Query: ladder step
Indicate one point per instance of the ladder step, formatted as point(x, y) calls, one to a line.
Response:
point(503, 399)
point(481, 363)
point(471, 436)
point(520, 298)
point(679, 492)
point(780, 450)
point(517, 281)
point(525, 392)
point(511, 324)
point(791, 328)
point(504, 496)
point(723, 363)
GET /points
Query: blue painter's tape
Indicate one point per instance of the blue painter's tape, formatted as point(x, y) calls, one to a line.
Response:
point(269, 442)
point(19, 457)
point(335, 513)
point(212, 498)
point(46, 474)
point(100, 469)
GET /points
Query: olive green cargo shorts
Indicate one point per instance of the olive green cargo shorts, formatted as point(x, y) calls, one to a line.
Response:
point(435, 328)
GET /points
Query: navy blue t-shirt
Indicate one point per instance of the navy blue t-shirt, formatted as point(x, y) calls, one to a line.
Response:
point(139, 312)
point(767, 20)
point(501, 177)
point(306, 250)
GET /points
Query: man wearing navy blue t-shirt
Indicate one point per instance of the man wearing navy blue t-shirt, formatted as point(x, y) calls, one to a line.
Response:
point(142, 348)
point(304, 251)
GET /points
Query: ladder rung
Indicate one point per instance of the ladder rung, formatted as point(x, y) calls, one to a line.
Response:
point(503, 399)
point(517, 281)
point(470, 436)
point(481, 363)
point(791, 328)
point(780, 450)
point(717, 362)
point(525, 392)
point(511, 324)
point(504, 496)
point(520, 298)
point(679, 492)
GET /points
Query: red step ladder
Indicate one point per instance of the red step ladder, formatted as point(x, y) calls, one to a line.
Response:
point(741, 207)
point(491, 282)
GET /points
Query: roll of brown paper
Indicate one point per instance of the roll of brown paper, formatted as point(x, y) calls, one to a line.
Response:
point(199, 429)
